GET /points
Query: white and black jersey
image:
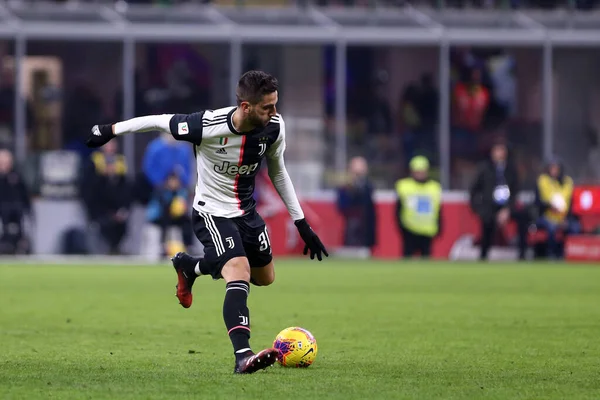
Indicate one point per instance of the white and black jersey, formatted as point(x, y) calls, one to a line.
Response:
point(227, 160)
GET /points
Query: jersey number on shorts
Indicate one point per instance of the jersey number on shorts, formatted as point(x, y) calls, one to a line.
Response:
point(263, 238)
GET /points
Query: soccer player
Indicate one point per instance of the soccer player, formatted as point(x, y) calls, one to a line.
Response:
point(230, 144)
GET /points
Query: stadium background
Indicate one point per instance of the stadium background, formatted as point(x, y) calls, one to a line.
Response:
point(340, 65)
point(112, 329)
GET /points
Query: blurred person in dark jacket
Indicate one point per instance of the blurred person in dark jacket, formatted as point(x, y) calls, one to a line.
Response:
point(107, 194)
point(169, 207)
point(15, 207)
point(355, 203)
point(418, 209)
point(553, 199)
point(493, 197)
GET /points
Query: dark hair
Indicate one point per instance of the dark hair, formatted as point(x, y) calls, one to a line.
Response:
point(253, 85)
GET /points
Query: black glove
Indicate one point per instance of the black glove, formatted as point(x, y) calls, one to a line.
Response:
point(100, 135)
point(311, 239)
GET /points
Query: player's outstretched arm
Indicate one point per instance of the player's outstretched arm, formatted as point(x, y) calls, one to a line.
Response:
point(186, 127)
point(283, 184)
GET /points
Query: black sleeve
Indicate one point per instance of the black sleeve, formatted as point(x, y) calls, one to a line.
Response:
point(187, 127)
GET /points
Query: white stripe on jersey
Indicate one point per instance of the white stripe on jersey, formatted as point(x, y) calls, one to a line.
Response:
point(214, 233)
point(214, 120)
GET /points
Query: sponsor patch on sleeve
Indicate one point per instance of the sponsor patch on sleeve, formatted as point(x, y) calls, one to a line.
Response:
point(182, 128)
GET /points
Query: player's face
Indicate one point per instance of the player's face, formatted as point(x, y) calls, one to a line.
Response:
point(261, 113)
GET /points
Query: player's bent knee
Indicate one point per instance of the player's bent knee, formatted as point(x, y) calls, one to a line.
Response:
point(263, 276)
point(236, 269)
point(269, 278)
point(262, 281)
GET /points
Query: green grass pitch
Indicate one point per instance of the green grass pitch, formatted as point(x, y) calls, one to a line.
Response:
point(385, 330)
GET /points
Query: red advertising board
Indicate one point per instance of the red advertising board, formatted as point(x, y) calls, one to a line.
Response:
point(583, 248)
point(458, 221)
point(586, 200)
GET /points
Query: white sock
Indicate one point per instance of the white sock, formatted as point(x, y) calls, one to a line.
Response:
point(197, 269)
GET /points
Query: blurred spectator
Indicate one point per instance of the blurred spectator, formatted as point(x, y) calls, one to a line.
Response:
point(379, 124)
point(379, 114)
point(107, 194)
point(470, 104)
point(553, 197)
point(164, 157)
point(502, 73)
point(418, 209)
point(7, 106)
point(355, 203)
point(419, 117)
point(15, 207)
point(83, 108)
point(169, 208)
point(410, 120)
point(428, 105)
point(494, 198)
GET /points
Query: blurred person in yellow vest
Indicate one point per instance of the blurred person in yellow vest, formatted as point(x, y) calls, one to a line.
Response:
point(554, 191)
point(418, 209)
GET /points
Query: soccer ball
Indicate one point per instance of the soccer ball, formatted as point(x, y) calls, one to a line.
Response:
point(297, 347)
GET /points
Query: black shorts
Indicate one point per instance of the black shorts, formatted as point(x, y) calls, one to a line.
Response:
point(226, 238)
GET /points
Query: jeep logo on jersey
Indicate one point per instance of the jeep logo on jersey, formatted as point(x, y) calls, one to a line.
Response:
point(232, 169)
